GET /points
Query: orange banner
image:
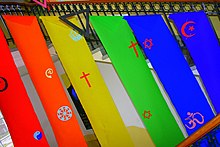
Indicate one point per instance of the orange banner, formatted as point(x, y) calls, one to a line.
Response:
point(32, 46)
point(15, 104)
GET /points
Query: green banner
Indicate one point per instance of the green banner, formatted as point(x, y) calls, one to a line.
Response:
point(129, 62)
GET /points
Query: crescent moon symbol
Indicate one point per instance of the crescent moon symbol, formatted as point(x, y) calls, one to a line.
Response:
point(183, 29)
point(5, 83)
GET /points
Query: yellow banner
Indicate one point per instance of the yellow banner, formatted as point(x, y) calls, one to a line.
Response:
point(87, 81)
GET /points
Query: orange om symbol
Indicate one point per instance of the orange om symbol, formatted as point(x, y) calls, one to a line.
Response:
point(193, 120)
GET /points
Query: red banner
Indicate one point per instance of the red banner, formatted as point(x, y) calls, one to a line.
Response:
point(15, 104)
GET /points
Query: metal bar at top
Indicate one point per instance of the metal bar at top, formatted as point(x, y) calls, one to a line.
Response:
point(113, 8)
point(173, 7)
point(50, 2)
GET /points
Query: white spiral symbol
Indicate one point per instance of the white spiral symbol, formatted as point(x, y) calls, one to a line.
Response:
point(49, 73)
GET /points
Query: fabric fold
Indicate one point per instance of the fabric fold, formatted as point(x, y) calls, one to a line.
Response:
point(15, 104)
point(203, 45)
point(129, 62)
point(88, 83)
point(136, 129)
point(172, 69)
point(32, 46)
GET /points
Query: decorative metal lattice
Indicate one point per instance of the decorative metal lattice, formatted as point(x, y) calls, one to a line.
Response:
point(211, 139)
point(112, 9)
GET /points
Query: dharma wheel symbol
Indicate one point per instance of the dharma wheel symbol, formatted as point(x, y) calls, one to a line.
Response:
point(64, 113)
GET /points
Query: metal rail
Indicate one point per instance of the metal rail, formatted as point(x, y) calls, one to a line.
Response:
point(118, 8)
point(207, 132)
point(113, 8)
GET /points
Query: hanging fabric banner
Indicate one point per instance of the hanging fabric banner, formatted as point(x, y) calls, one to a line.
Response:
point(129, 62)
point(15, 104)
point(32, 46)
point(203, 45)
point(87, 81)
point(163, 52)
point(125, 106)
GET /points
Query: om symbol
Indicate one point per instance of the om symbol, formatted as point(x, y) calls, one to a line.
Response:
point(193, 121)
point(75, 36)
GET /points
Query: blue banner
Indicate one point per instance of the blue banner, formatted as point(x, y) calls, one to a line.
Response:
point(203, 45)
point(177, 78)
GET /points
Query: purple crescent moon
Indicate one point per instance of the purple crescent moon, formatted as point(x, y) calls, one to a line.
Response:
point(3, 84)
point(183, 29)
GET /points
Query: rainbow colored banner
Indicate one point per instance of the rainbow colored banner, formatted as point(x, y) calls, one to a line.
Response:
point(130, 64)
point(203, 45)
point(88, 83)
point(15, 104)
point(177, 78)
point(32, 46)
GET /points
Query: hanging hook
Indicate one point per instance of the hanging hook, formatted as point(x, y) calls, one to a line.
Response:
point(82, 32)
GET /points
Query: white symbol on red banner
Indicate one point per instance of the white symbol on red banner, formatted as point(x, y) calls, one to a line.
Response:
point(193, 119)
point(48, 73)
point(64, 113)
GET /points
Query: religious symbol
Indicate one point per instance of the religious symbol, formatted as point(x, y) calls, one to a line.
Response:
point(75, 36)
point(133, 45)
point(85, 76)
point(3, 84)
point(148, 43)
point(64, 113)
point(48, 73)
point(147, 112)
point(192, 120)
point(38, 135)
point(191, 28)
